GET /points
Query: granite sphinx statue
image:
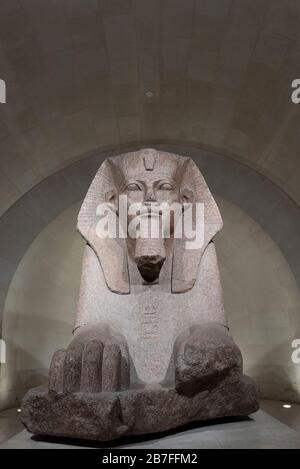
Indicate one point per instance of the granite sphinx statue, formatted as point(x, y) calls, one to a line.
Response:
point(151, 347)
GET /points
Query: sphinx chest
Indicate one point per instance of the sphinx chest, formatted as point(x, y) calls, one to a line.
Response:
point(151, 317)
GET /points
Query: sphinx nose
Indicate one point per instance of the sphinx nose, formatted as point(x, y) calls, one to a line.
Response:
point(150, 197)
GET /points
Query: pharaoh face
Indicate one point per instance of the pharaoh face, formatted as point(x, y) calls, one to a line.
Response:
point(155, 196)
point(150, 198)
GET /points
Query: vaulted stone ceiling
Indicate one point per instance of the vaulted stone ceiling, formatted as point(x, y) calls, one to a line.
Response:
point(77, 72)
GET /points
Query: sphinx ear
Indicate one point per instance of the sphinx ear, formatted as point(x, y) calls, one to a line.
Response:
point(111, 199)
point(186, 196)
point(110, 196)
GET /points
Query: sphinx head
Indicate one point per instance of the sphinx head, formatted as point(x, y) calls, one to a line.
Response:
point(151, 188)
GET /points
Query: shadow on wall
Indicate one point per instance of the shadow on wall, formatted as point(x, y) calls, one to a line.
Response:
point(260, 293)
point(262, 302)
point(40, 306)
point(29, 352)
point(278, 382)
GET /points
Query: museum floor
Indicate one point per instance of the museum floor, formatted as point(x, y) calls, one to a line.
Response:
point(271, 427)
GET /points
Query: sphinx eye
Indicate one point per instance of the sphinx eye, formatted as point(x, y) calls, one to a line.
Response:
point(165, 186)
point(133, 187)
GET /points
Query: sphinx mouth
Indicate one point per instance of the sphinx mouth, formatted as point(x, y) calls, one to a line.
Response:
point(150, 267)
point(152, 210)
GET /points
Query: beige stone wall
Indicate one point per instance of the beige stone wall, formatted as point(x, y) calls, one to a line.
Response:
point(261, 298)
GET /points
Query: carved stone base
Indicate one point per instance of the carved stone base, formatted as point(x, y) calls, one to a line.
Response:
point(107, 416)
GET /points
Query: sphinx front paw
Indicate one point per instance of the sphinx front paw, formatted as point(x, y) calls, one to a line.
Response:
point(91, 364)
point(204, 356)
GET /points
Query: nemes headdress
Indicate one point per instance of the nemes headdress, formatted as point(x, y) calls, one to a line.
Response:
point(112, 252)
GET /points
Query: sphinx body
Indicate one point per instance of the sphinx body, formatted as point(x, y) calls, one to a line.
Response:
point(151, 317)
point(150, 330)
